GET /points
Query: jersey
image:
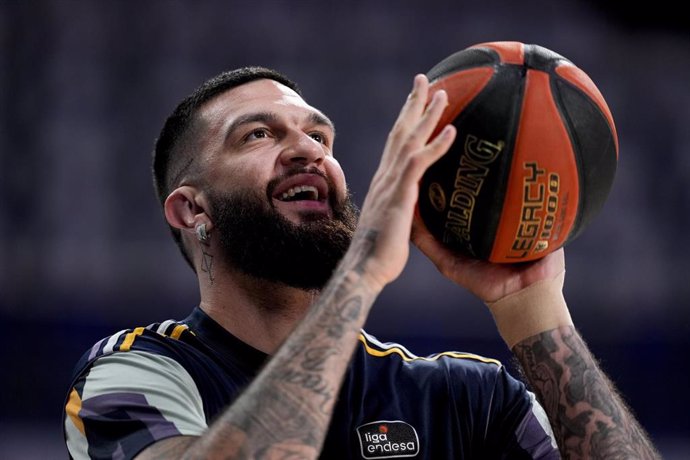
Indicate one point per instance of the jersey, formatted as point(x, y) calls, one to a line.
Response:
point(175, 378)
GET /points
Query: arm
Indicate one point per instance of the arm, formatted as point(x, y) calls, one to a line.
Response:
point(286, 410)
point(588, 417)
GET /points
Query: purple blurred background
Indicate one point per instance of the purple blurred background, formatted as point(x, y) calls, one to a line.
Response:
point(86, 85)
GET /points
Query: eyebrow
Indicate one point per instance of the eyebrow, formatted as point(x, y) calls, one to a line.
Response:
point(315, 118)
point(318, 118)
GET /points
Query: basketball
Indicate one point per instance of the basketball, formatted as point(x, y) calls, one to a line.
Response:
point(534, 158)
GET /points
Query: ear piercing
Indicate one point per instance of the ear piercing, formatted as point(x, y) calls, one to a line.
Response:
point(201, 234)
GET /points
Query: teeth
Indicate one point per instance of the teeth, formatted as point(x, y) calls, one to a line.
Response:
point(299, 189)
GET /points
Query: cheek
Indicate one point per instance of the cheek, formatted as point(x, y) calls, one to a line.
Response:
point(237, 175)
point(335, 173)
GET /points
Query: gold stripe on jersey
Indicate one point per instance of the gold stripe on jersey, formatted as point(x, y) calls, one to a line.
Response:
point(179, 329)
point(406, 356)
point(455, 354)
point(73, 407)
point(129, 338)
point(389, 351)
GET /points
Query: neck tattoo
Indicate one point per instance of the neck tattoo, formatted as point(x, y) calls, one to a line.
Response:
point(207, 264)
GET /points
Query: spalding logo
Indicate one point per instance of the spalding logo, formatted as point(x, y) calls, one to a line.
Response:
point(388, 439)
point(437, 197)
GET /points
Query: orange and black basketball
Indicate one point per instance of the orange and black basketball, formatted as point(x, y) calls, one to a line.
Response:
point(534, 157)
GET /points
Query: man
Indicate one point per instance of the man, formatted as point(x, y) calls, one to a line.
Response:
point(273, 362)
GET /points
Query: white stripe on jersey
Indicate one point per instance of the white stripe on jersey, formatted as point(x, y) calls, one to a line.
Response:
point(164, 325)
point(110, 344)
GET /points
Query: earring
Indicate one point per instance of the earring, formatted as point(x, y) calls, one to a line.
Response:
point(201, 234)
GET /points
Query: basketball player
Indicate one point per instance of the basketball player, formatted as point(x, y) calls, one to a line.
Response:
point(273, 363)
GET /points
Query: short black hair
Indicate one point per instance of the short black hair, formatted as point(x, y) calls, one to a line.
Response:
point(175, 149)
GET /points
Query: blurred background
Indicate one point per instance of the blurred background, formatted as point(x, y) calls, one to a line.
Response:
point(84, 252)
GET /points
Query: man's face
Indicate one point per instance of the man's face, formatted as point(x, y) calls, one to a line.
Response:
point(258, 134)
point(278, 197)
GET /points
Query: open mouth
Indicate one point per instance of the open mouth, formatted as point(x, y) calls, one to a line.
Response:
point(300, 193)
point(303, 192)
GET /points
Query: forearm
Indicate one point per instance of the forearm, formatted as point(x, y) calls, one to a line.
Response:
point(286, 410)
point(589, 418)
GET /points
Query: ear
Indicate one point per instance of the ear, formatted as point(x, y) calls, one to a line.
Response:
point(185, 208)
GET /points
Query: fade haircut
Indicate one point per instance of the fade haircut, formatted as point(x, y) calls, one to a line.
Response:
point(175, 152)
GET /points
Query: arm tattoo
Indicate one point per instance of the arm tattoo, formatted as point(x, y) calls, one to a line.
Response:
point(589, 418)
point(365, 245)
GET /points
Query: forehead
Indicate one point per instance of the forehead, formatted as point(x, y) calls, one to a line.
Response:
point(257, 96)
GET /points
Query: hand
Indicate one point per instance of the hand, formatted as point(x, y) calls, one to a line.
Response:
point(488, 281)
point(383, 233)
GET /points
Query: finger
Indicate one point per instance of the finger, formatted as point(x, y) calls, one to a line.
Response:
point(432, 248)
point(424, 240)
point(438, 147)
point(431, 117)
point(416, 100)
point(411, 111)
point(416, 164)
point(412, 135)
point(448, 262)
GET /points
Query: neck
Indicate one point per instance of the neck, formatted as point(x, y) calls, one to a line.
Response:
point(258, 312)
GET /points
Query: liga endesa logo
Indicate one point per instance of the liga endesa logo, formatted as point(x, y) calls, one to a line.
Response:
point(388, 439)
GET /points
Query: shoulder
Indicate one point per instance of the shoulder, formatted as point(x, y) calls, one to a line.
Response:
point(454, 382)
point(142, 356)
point(448, 370)
point(126, 365)
point(165, 338)
point(153, 336)
point(133, 388)
point(148, 384)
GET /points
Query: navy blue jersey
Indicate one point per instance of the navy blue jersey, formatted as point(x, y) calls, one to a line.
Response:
point(175, 378)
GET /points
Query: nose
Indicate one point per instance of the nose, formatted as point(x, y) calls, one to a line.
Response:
point(301, 149)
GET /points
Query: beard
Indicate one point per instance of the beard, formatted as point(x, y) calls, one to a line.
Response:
point(259, 241)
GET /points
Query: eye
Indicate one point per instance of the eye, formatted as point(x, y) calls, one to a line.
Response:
point(319, 137)
point(259, 133)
